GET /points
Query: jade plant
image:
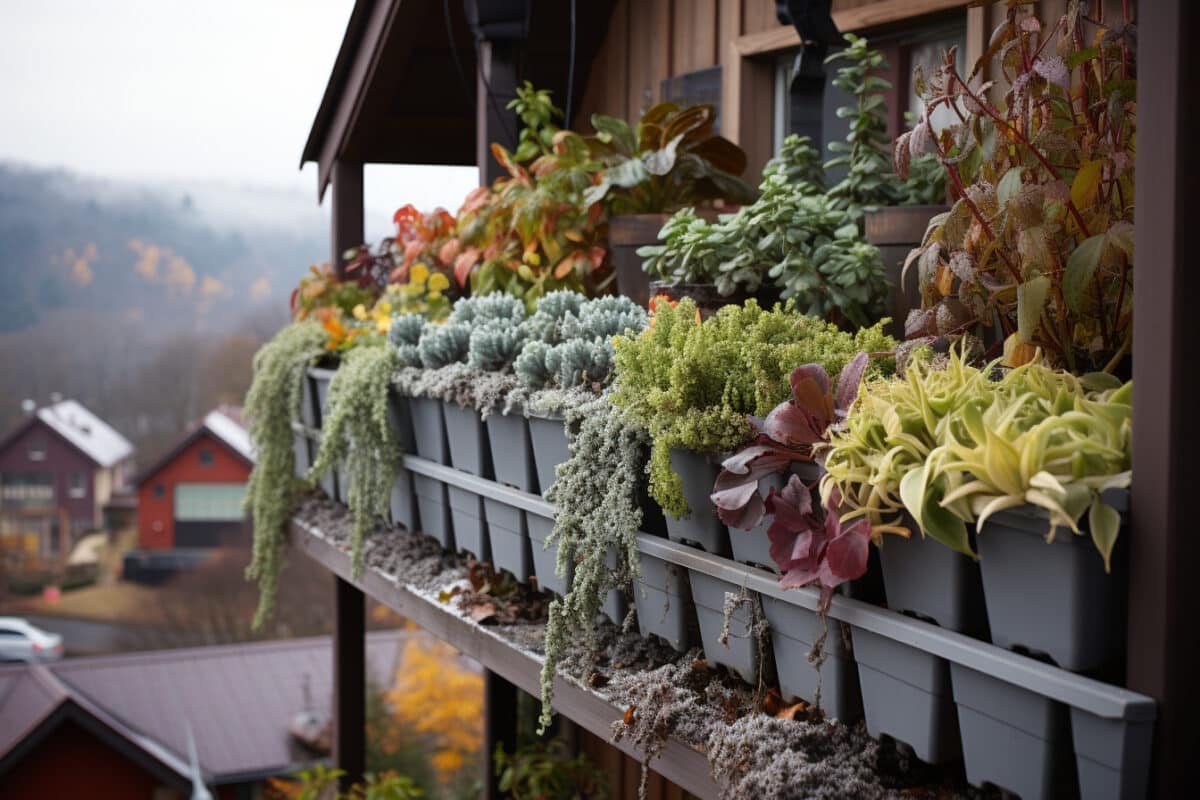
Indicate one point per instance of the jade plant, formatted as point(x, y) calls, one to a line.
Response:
point(272, 490)
point(692, 384)
point(358, 435)
point(1039, 241)
point(673, 160)
point(799, 237)
point(951, 446)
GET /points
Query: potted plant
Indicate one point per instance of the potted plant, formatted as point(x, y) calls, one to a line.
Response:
point(673, 160)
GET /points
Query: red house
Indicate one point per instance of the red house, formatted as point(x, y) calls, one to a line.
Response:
point(190, 501)
point(58, 469)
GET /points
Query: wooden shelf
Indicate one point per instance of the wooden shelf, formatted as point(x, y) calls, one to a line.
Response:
point(680, 764)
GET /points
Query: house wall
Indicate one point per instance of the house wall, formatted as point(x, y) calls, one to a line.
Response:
point(156, 515)
point(72, 762)
point(62, 459)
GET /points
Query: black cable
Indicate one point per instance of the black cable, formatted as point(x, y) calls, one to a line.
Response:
point(462, 75)
point(570, 70)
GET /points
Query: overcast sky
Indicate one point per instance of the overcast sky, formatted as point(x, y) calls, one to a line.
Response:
point(219, 90)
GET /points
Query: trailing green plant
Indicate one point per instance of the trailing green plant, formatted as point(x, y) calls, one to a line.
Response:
point(953, 446)
point(692, 384)
point(673, 160)
point(545, 770)
point(598, 517)
point(272, 490)
point(1039, 241)
point(358, 435)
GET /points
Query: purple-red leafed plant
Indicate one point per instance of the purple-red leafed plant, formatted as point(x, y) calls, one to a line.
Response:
point(813, 548)
point(785, 437)
point(808, 545)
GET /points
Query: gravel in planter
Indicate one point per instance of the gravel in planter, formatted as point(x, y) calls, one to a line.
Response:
point(662, 598)
point(1051, 599)
point(429, 429)
point(549, 438)
point(470, 526)
point(926, 579)
point(509, 538)
point(907, 695)
point(512, 451)
point(702, 528)
point(433, 507)
point(403, 502)
point(794, 630)
point(1012, 738)
point(739, 652)
point(469, 449)
point(1112, 756)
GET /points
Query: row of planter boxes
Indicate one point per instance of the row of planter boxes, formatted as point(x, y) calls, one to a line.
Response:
point(925, 677)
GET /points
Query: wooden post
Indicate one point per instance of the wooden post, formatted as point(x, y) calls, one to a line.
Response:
point(350, 682)
point(500, 721)
point(347, 211)
point(1164, 649)
point(494, 122)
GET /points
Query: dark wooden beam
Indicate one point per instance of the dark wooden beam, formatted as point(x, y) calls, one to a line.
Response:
point(497, 85)
point(1164, 648)
point(347, 214)
point(500, 727)
point(349, 682)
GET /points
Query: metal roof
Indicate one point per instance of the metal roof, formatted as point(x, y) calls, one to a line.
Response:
point(94, 437)
point(238, 700)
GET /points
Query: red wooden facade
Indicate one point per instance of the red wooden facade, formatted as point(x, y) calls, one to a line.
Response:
point(188, 464)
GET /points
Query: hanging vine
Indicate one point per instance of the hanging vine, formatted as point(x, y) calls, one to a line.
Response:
point(272, 490)
point(596, 493)
point(358, 435)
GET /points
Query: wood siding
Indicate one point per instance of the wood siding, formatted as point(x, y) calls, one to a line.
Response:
point(61, 460)
point(156, 514)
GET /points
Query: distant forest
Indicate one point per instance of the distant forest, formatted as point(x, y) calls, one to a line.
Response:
point(144, 303)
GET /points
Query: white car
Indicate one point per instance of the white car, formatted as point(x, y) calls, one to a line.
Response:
point(20, 641)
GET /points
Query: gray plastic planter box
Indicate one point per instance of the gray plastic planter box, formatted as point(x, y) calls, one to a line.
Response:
point(469, 449)
point(1112, 756)
point(1005, 726)
point(1053, 599)
point(929, 580)
point(300, 454)
point(429, 429)
point(794, 629)
point(740, 653)
point(321, 378)
point(343, 483)
point(702, 528)
point(400, 416)
point(907, 695)
point(549, 437)
point(753, 547)
point(470, 527)
point(512, 452)
point(433, 506)
point(308, 402)
point(403, 502)
point(545, 559)
point(662, 598)
point(509, 538)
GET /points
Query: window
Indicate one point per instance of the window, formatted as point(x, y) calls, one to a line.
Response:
point(206, 457)
point(37, 449)
point(77, 487)
point(209, 502)
point(160, 491)
point(26, 490)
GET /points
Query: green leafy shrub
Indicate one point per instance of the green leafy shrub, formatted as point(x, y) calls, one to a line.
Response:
point(692, 384)
point(358, 435)
point(540, 771)
point(272, 490)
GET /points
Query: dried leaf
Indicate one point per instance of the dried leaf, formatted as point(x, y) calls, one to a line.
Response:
point(629, 716)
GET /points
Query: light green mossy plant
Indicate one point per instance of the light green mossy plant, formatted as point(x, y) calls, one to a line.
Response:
point(596, 493)
point(273, 491)
point(692, 384)
point(358, 435)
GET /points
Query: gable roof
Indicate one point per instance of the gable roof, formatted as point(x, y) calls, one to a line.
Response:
point(147, 701)
point(81, 429)
point(223, 424)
